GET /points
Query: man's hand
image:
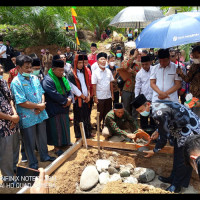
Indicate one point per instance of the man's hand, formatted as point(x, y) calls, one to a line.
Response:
point(15, 119)
point(155, 135)
point(131, 136)
point(68, 103)
point(149, 153)
point(37, 111)
point(179, 71)
point(96, 100)
point(87, 99)
point(163, 95)
point(12, 125)
point(41, 106)
point(40, 185)
point(197, 104)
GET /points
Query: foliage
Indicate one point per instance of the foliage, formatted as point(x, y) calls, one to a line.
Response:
point(97, 17)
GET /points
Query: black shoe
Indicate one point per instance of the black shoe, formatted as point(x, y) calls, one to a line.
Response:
point(164, 180)
point(173, 188)
point(59, 152)
point(49, 159)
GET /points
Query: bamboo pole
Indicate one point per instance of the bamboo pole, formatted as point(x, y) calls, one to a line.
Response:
point(83, 135)
point(56, 163)
point(98, 134)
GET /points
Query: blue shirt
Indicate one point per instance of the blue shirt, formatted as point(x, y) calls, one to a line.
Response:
point(28, 90)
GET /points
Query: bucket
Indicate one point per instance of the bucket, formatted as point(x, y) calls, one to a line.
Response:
point(142, 135)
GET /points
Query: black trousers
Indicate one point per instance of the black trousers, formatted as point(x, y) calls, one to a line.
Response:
point(81, 115)
point(181, 174)
point(104, 106)
point(116, 97)
point(144, 122)
point(3, 63)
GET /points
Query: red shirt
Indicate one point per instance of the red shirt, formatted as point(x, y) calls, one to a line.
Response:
point(92, 58)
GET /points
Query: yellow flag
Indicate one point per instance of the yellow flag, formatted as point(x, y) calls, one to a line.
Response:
point(73, 12)
point(77, 41)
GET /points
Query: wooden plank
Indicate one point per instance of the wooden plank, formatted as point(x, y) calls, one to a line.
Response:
point(98, 134)
point(83, 134)
point(126, 145)
point(56, 163)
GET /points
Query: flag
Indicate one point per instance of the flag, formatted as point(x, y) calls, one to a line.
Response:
point(73, 12)
point(75, 28)
point(74, 20)
point(77, 41)
point(74, 15)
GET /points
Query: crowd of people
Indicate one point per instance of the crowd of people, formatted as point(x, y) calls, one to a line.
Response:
point(145, 89)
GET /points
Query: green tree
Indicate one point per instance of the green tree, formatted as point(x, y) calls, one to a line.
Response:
point(96, 17)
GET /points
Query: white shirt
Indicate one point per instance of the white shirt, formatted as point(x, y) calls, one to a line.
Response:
point(75, 90)
point(165, 78)
point(102, 80)
point(142, 85)
point(3, 48)
point(95, 66)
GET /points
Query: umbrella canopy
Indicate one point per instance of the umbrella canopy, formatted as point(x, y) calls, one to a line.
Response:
point(170, 31)
point(131, 16)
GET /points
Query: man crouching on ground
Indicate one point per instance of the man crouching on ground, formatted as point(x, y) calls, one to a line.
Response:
point(118, 122)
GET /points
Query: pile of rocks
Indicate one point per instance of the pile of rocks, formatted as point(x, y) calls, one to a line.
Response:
point(107, 170)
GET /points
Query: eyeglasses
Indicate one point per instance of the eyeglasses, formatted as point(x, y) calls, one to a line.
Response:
point(172, 56)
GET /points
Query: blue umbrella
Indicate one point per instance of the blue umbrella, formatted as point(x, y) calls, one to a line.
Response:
point(170, 31)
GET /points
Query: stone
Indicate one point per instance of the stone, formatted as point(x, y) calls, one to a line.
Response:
point(148, 176)
point(115, 177)
point(125, 172)
point(117, 166)
point(144, 148)
point(102, 165)
point(130, 179)
point(114, 153)
point(104, 178)
point(122, 167)
point(116, 138)
point(112, 170)
point(144, 175)
point(89, 178)
point(129, 166)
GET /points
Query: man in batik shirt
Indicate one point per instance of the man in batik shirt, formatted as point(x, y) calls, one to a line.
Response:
point(128, 94)
point(119, 122)
point(8, 122)
point(173, 119)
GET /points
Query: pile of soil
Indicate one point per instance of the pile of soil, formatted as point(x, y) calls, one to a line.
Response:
point(68, 175)
point(118, 187)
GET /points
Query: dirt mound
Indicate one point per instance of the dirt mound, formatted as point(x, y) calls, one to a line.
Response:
point(118, 187)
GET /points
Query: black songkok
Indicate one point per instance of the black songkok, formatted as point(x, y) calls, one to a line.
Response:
point(139, 101)
point(56, 57)
point(58, 63)
point(93, 45)
point(118, 106)
point(145, 59)
point(101, 54)
point(82, 57)
point(36, 62)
